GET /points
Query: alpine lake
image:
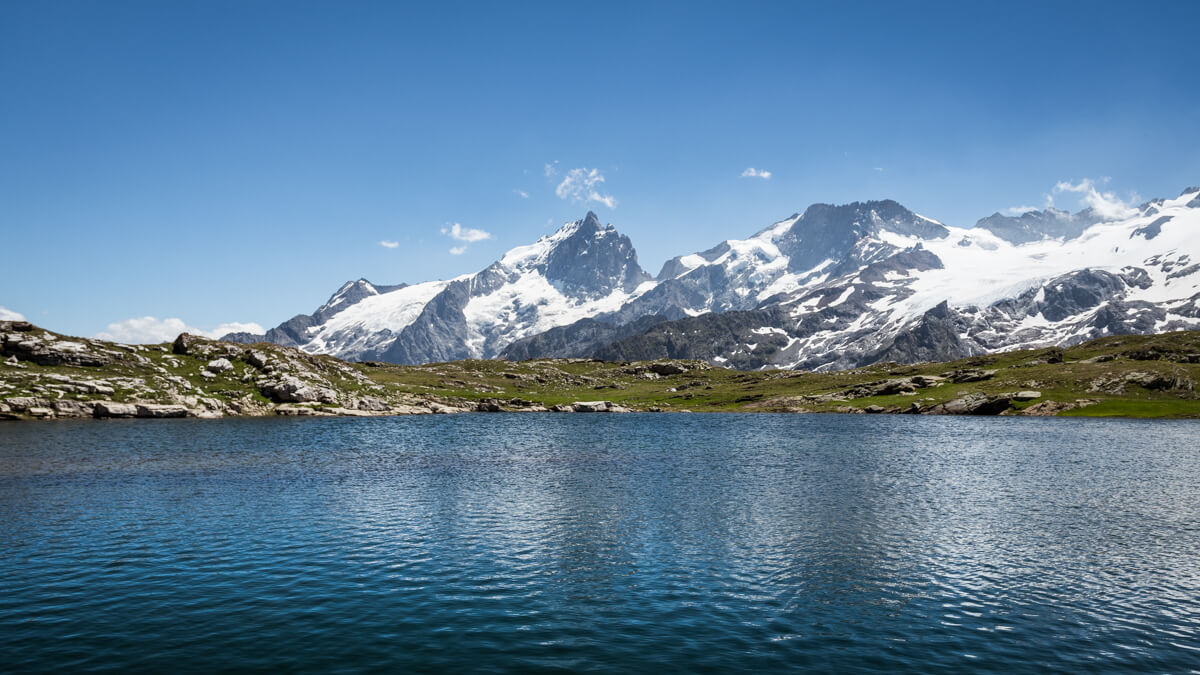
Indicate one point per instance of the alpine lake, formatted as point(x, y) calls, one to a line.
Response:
point(602, 543)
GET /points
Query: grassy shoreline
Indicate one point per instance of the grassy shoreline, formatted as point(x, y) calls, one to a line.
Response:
point(44, 375)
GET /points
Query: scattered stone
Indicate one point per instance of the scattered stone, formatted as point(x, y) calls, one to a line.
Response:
point(220, 365)
point(1025, 395)
point(875, 409)
point(969, 375)
point(292, 389)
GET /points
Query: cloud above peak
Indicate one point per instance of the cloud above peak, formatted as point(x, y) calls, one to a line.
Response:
point(9, 315)
point(756, 173)
point(470, 235)
point(582, 186)
point(467, 234)
point(1106, 204)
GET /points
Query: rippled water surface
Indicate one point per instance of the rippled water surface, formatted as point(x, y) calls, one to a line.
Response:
point(601, 542)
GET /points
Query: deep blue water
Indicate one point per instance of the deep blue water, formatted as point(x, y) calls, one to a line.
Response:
point(601, 542)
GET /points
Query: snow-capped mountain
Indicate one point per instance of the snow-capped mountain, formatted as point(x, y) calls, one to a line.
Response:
point(581, 270)
point(833, 287)
point(898, 286)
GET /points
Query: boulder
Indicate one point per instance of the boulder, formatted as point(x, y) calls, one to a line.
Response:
point(156, 410)
point(595, 406)
point(220, 365)
point(373, 404)
point(1025, 395)
point(291, 389)
point(23, 403)
point(69, 408)
point(41, 412)
point(667, 368)
point(488, 405)
point(973, 404)
point(256, 358)
point(183, 343)
point(110, 409)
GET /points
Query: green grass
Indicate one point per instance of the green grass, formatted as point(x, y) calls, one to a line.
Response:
point(550, 382)
point(1180, 408)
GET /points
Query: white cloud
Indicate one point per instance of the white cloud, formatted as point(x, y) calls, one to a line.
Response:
point(1018, 210)
point(879, 169)
point(389, 244)
point(1106, 204)
point(580, 185)
point(236, 327)
point(9, 315)
point(148, 329)
point(522, 194)
point(467, 234)
point(550, 168)
point(458, 250)
point(756, 173)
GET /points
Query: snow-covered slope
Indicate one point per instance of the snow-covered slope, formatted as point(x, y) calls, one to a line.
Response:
point(833, 287)
point(842, 286)
point(581, 270)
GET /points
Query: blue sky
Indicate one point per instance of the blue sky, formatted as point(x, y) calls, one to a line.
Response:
point(216, 162)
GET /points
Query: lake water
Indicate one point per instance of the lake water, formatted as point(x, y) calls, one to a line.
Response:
point(601, 542)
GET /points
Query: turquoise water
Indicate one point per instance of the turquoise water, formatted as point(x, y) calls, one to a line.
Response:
point(601, 542)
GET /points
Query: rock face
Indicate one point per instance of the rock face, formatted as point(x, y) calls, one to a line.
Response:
point(834, 287)
point(47, 350)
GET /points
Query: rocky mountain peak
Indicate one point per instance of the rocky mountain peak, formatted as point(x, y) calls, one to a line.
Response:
point(593, 259)
point(826, 231)
point(1036, 225)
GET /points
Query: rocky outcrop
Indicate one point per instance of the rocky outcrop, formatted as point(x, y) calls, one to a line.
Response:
point(45, 349)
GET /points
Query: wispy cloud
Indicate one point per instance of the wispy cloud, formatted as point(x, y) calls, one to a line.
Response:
point(581, 185)
point(522, 194)
point(1106, 204)
point(756, 173)
point(389, 244)
point(550, 168)
point(467, 234)
point(879, 169)
point(148, 329)
point(9, 315)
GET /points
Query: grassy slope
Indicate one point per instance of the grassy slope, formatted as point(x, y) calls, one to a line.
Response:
point(703, 388)
point(729, 390)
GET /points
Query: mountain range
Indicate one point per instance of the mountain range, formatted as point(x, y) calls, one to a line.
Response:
point(831, 288)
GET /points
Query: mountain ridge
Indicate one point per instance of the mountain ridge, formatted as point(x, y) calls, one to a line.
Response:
point(835, 285)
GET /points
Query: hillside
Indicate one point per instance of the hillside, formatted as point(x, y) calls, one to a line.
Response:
point(44, 375)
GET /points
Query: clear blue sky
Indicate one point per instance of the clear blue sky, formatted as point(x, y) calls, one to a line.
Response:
point(236, 161)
